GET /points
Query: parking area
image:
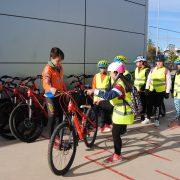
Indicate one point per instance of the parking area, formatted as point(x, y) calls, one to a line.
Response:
point(149, 153)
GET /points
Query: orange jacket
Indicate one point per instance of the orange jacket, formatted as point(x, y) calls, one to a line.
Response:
point(51, 77)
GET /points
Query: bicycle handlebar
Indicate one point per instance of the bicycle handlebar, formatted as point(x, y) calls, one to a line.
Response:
point(32, 79)
point(79, 76)
point(5, 77)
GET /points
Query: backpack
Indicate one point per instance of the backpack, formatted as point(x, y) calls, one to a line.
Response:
point(135, 104)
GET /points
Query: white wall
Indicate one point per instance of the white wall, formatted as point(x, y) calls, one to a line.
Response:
point(29, 28)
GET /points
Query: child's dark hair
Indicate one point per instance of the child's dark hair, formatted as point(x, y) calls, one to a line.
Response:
point(55, 52)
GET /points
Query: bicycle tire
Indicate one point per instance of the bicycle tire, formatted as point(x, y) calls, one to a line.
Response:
point(18, 120)
point(88, 126)
point(7, 134)
point(57, 131)
point(5, 109)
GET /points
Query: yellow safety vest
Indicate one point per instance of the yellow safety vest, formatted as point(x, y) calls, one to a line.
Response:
point(158, 79)
point(101, 84)
point(140, 78)
point(126, 73)
point(177, 86)
point(122, 113)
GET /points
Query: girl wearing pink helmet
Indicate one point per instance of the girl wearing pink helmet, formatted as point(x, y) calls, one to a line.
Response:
point(119, 96)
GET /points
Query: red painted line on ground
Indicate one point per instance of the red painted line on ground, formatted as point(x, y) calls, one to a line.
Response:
point(155, 155)
point(174, 127)
point(175, 150)
point(100, 152)
point(165, 174)
point(159, 145)
point(109, 168)
point(150, 151)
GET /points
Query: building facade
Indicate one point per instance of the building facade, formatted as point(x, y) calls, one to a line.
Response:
point(86, 30)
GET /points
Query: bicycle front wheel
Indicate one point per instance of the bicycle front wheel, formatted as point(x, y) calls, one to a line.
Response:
point(23, 127)
point(62, 148)
point(90, 128)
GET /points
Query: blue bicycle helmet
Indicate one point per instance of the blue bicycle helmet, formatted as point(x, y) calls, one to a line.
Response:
point(160, 57)
point(103, 63)
point(177, 61)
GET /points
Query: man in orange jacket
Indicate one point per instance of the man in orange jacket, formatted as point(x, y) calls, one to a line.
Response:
point(52, 81)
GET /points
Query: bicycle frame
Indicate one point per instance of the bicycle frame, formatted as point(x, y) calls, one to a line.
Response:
point(72, 108)
point(34, 100)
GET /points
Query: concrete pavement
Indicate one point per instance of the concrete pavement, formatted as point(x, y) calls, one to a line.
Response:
point(150, 153)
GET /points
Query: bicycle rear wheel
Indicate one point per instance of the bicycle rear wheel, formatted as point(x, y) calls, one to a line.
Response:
point(23, 127)
point(5, 111)
point(90, 128)
point(62, 148)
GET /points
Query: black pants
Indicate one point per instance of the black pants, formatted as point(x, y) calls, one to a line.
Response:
point(143, 101)
point(154, 101)
point(55, 113)
point(117, 131)
point(104, 110)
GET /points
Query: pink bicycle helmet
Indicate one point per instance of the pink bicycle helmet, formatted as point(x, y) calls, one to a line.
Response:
point(117, 66)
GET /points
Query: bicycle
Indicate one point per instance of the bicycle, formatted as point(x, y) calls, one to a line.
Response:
point(28, 119)
point(80, 123)
point(10, 96)
point(80, 86)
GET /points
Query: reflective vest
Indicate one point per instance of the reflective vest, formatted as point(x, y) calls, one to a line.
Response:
point(177, 86)
point(140, 78)
point(158, 79)
point(126, 73)
point(122, 113)
point(101, 84)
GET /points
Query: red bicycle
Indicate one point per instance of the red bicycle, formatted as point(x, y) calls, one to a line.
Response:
point(28, 119)
point(10, 97)
point(80, 123)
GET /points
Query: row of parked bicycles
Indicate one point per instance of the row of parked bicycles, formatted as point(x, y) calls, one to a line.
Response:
point(23, 115)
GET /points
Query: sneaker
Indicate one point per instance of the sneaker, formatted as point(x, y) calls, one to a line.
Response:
point(107, 128)
point(113, 158)
point(146, 121)
point(156, 123)
point(101, 129)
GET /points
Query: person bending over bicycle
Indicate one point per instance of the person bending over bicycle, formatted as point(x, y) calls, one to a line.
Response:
point(119, 96)
point(52, 81)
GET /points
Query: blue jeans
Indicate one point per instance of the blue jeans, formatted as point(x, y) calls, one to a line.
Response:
point(177, 106)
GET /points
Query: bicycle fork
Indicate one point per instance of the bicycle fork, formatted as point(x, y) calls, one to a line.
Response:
point(29, 107)
point(77, 126)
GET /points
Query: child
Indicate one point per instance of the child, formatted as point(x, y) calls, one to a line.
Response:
point(141, 74)
point(120, 98)
point(176, 90)
point(101, 81)
point(52, 81)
